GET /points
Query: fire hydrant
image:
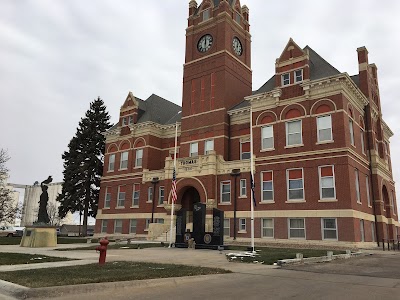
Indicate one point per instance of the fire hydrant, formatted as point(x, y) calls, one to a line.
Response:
point(103, 250)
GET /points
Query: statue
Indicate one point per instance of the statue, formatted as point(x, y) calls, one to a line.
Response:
point(43, 216)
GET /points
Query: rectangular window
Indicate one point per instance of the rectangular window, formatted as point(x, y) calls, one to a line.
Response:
point(139, 158)
point(146, 227)
point(394, 204)
point(245, 150)
point(327, 182)
point(118, 226)
point(298, 75)
point(121, 196)
point(267, 228)
point(208, 146)
point(124, 123)
point(132, 226)
point(242, 224)
point(362, 230)
point(357, 185)
point(285, 79)
point(373, 231)
point(206, 14)
point(111, 162)
point(267, 186)
point(243, 188)
point(237, 18)
point(362, 141)
point(160, 221)
point(295, 184)
point(194, 149)
point(136, 194)
point(368, 191)
point(324, 125)
point(297, 229)
point(267, 137)
point(150, 194)
point(227, 229)
point(124, 160)
point(107, 199)
point(225, 192)
point(161, 195)
point(104, 224)
point(130, 120)
point(351, 131)
point(293, 133)
point(329, 229)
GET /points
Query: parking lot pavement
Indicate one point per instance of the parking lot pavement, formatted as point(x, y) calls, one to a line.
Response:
point(377, 264)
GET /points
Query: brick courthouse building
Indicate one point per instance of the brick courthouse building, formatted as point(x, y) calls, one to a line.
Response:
point(322, 160)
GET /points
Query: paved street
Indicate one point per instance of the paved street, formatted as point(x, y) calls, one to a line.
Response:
point(368, 277)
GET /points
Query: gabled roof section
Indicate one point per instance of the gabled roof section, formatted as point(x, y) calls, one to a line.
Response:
point(319, 67)
point(268, 86)
point(158, 110)
point(356, 79)
point(292, 50)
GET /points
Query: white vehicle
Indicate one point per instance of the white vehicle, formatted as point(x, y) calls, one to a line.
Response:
point(7, 231)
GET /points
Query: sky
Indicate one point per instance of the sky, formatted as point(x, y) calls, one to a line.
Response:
point(57, 56)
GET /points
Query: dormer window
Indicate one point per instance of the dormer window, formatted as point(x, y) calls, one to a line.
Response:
point(124, 122)
point(286, 79)
point(130, 120)
point(298, 75)
point(206, 14)
point(237, 18)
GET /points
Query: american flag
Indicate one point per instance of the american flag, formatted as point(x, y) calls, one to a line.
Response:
point(174, 187)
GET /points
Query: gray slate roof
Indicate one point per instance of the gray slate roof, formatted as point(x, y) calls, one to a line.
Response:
point(158, 110)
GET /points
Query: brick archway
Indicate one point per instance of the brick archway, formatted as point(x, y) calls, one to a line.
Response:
point(185, 184)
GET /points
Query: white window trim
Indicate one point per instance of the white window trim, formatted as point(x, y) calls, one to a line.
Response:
point(357, 182)
point(161, 188)
point(229, 227)
point(120, 206)
point(262, 188)
point(109, 163)
point(351, 131)
point(150, 198)
point(102, 226)
point(287, 186)
point(205, 146)
point(301, 133)
point(137, 159)
point(130, 225)
point(230, 192)
point(362, 137)
point(245, 187)
point(115, 225)
point(127, 161)
point(296, 238)
point(262, 138)
point(273, 229)
point(105, 199)
point(191, 154)
point(147, 223)
point(133, 195)
point(295, 77)
point(362, 230)
point(282, 79)
point(323, 230)
point(368, 188)
point(324, 141)
point(240, 225)
point(241, 152)
point(320, 182)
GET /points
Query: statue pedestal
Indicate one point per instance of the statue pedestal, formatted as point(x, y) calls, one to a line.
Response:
point(39, 236)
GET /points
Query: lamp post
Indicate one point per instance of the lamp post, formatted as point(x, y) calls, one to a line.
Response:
point(235, 173)
point(154, 181)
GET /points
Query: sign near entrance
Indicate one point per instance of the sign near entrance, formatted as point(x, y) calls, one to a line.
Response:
point(188, 162)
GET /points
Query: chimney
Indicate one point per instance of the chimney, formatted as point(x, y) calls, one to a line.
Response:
point(362, 58)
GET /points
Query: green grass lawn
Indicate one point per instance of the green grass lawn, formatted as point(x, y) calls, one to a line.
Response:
point(115, 246)
point(21, 258)
point(110, 272)
point(269, 256)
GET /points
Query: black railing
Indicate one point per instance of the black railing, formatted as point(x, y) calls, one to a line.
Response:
point(391, 244)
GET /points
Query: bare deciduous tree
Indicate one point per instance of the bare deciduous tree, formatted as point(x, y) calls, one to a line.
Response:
point(8, 209)
point(52, 211)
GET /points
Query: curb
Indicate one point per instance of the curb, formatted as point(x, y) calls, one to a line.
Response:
point(297, 261)
point(59, 291)
point(11, 289)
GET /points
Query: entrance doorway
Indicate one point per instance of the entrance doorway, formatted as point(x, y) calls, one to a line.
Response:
point(189, 198)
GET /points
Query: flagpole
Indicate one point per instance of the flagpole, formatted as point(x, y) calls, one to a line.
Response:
point(253, 179)
point(172, 198)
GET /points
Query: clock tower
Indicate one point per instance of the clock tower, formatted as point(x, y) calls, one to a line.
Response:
point(217, 74)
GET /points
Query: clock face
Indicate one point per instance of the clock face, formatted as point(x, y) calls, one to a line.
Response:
point(205, 43)
point(237, 46)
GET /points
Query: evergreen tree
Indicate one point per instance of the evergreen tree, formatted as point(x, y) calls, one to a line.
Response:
point(83, 164)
